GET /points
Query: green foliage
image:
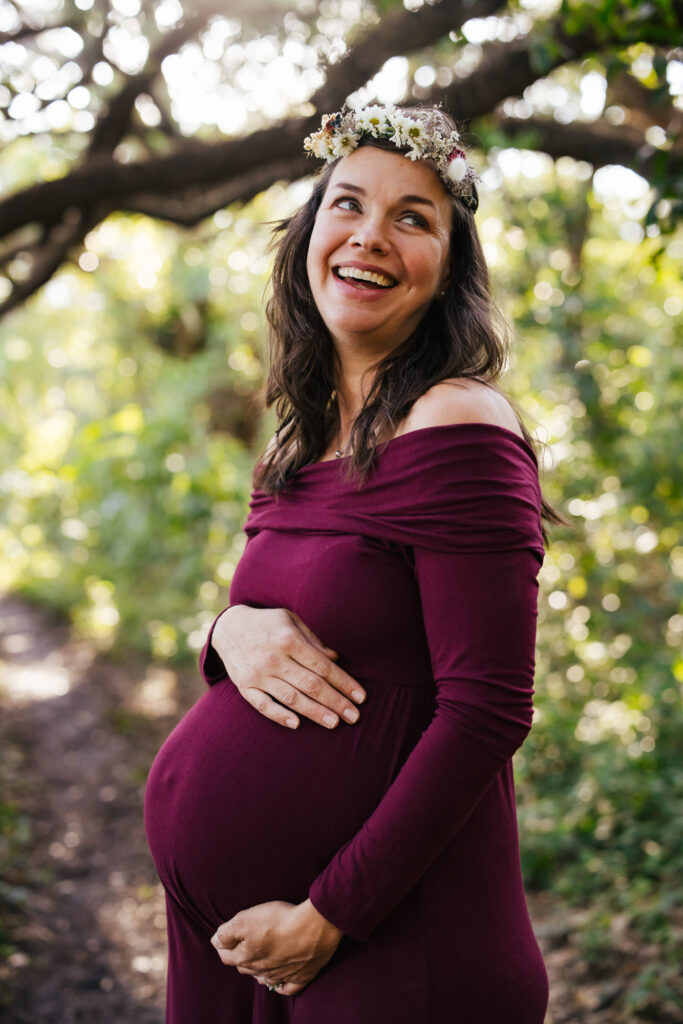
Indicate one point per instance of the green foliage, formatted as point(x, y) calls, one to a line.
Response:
point(120, 504)
point(621, 19)
point(546, 48)
point(600, 777)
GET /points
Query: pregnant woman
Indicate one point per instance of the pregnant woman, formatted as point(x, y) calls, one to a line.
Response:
point(324, 872)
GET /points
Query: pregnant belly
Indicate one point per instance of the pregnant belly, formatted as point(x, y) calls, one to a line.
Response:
point(240, 811)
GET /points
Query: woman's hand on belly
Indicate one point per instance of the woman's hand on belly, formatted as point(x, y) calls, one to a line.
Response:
point(283, 944)
point(270, 652)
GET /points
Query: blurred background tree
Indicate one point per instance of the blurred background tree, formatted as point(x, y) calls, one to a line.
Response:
point(145, 151)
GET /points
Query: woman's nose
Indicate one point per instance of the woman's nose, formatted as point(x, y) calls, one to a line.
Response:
point(370, 234)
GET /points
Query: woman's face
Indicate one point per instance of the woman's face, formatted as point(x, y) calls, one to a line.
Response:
point(388, 215)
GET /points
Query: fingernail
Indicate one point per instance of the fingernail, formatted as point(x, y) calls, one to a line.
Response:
point(351, 715)
point(358, 695)
point(291, 722)
point(329, 720)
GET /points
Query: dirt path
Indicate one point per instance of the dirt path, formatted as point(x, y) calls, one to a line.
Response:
point(78, 735)
point(91, 934)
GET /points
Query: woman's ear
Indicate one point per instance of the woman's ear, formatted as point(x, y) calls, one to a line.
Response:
point(445, 280)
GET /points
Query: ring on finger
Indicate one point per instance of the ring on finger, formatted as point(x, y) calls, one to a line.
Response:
point(271, 988)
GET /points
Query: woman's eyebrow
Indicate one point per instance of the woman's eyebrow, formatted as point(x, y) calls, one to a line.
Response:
point(404, 199)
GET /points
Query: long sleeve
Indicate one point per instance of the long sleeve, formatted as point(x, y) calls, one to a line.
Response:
point(465, 499)
point(210, 664)
point(480, 611)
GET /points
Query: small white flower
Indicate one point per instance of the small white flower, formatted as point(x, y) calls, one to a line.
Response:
point(342, 145)
point(457, 169)
point(397, 133)
point(319, 145)
point(371, 119)
point(415, 133)
point(401, 126)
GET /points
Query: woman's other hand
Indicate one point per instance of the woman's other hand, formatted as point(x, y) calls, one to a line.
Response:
point(278, 943)
point(270, 653)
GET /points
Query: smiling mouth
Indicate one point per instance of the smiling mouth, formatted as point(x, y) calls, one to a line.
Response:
point(364, 278)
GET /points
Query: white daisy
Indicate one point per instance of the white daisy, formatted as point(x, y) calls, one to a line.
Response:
point(371, 119)
point(396, 125)
point(415, 133)
point(342, 145)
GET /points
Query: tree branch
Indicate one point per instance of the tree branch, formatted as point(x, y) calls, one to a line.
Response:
point(646, 106)
point(191, 207)
point(597, 142)
point(24, 30)
point(401, 31)
point(506, 69)
point(51, 255)
point(113, 125)
point(100, 179)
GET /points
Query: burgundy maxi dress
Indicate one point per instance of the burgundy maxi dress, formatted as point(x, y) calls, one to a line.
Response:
point(401, 828)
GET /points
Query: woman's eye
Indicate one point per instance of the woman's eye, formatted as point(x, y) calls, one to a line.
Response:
point(419, 220)
point(346, 199)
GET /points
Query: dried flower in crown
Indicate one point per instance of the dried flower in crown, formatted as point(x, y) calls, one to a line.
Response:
point(421, 131)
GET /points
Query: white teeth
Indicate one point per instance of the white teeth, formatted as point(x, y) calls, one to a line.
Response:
point(366, 275)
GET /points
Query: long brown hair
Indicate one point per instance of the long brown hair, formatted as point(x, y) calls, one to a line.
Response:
point(464, 335)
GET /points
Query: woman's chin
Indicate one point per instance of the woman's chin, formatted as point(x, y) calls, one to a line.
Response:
point(360, 330)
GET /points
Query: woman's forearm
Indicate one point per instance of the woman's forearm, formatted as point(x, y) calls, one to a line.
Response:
point(480, 617)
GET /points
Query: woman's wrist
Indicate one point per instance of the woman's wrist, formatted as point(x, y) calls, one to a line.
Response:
point(322, 931)
point(222, 620)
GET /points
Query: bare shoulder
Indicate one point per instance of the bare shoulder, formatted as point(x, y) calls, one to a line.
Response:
point(461, 400)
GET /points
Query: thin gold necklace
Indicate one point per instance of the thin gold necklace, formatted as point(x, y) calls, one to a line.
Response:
point(340, 451)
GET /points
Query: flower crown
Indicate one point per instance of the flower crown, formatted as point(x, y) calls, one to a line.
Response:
point(422, 131)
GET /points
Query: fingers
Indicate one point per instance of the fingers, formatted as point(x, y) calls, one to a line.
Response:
point(319, 679)
point(292, 693)
point(293, 689)
point(260, 700)
point(289, 697)
point(335, 676)
point(285, 979)
point(304, 652)
point(310, 696)
point(288, 982)
point(225, 939)
point(284, 670)
point(310, 635)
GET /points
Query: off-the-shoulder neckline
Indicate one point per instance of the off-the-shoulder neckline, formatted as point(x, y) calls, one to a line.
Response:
point(393, 442)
